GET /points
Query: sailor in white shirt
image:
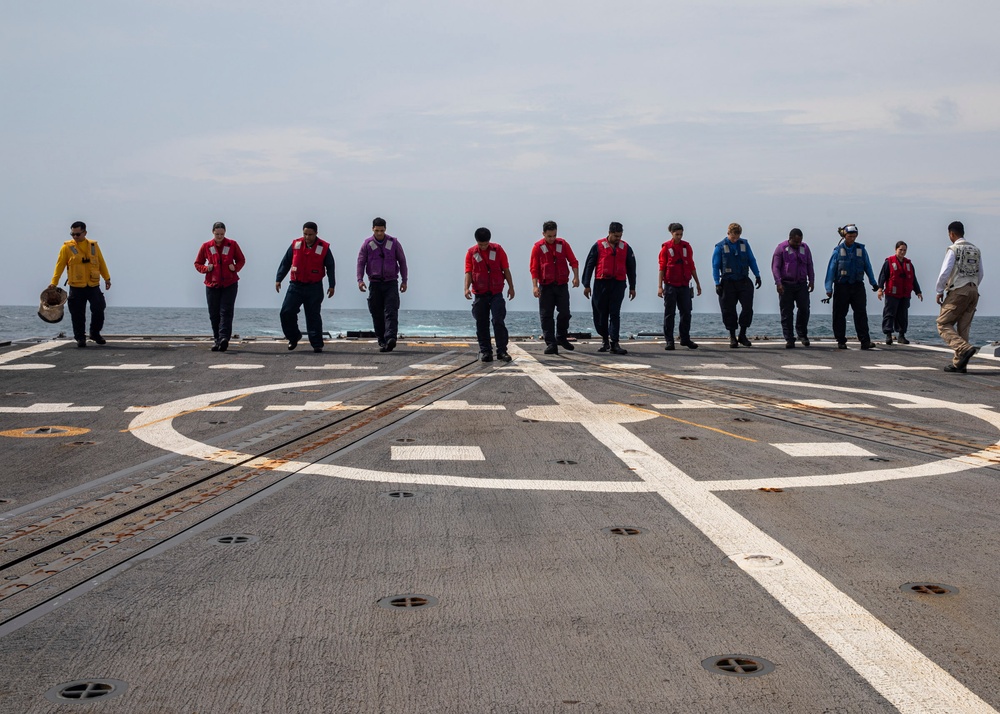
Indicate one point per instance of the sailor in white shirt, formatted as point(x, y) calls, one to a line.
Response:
point(958, 294)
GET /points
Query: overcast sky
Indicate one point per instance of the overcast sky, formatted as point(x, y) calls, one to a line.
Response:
point(151, 120)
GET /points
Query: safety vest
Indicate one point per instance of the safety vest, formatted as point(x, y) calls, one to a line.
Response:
point(487, 272)
point(221, 257)
point(307, 263)
point(735, 260)
point(554, 263)
point(966, 268)
point(900, 281)
point(611, 260)
point(850, 264)
point(84, 266)
point(677, 261)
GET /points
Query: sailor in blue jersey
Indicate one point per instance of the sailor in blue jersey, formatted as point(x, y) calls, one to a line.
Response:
point(732, 262)
point(845, 282)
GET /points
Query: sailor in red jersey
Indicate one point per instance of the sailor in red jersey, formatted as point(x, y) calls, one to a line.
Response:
point(676, 271)
point(486, 269)
point(611, 262)
point(551, 260)
point(897, 281)
point(221, 261)
point(308, 258)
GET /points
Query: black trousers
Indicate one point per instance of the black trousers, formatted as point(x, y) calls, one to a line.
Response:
point(795, 296)
point(554, 297)
point(310, 297)
point(221, 304)
point(606, 300)
point(484, 308)
point(383, 304)
point(677, 298)
point(895, 315)
point(733, 292)
point(850, 296)
point(77, 304)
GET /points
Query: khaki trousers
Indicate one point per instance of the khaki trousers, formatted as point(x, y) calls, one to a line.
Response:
point(957, 310)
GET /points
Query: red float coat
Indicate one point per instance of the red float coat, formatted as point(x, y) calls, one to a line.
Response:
point(487, 268)
point(677, 263)
point(611, 260)
point(900, 281)
point(215, 261)
point(551, 263)
point(307, 263)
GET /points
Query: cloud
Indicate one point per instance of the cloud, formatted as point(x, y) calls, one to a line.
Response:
point(262, 156)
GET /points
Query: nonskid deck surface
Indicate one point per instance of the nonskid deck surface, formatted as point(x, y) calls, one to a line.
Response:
point(701, 530)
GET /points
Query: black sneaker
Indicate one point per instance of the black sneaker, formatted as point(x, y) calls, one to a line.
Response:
point(485, 356)
point(963, 359)
point(689, 344)
point(504, 357)
point(669, 347)
point(96, 337)
point(616, 349)
point(565, 344)
point(551, 349)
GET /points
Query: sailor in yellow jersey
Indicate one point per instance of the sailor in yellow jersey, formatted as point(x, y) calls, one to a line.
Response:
point(85, 266)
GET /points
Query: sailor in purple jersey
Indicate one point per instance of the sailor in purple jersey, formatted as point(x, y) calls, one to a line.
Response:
point(382, 258)
point(794, 279)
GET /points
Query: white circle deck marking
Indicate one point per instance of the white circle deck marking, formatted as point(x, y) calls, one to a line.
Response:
point(25, 366)
point(898, 671)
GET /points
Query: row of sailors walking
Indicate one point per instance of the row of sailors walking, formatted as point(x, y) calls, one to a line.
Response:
point(611, 263)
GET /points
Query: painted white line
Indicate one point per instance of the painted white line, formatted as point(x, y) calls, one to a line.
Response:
point(825, 404)
point(46, 408)
point(437, 453)
point(823, 449)
point(311, 407)
point(897, 367)
point(349, 367)
point(236, 366)
point(702, 404)
point(130, 366)
point(34, 349)
point(716, 365)
point(431, 367)
point(900, 672)
point(806, 366)
point(938, 406)
point(139, 410)
point(626, 365)
point(25, 365)
point(454, 405)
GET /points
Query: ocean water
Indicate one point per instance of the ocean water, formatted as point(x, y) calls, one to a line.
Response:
point(21, 322)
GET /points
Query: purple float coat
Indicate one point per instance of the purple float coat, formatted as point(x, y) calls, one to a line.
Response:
point(382, 260)
point(792, 265)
